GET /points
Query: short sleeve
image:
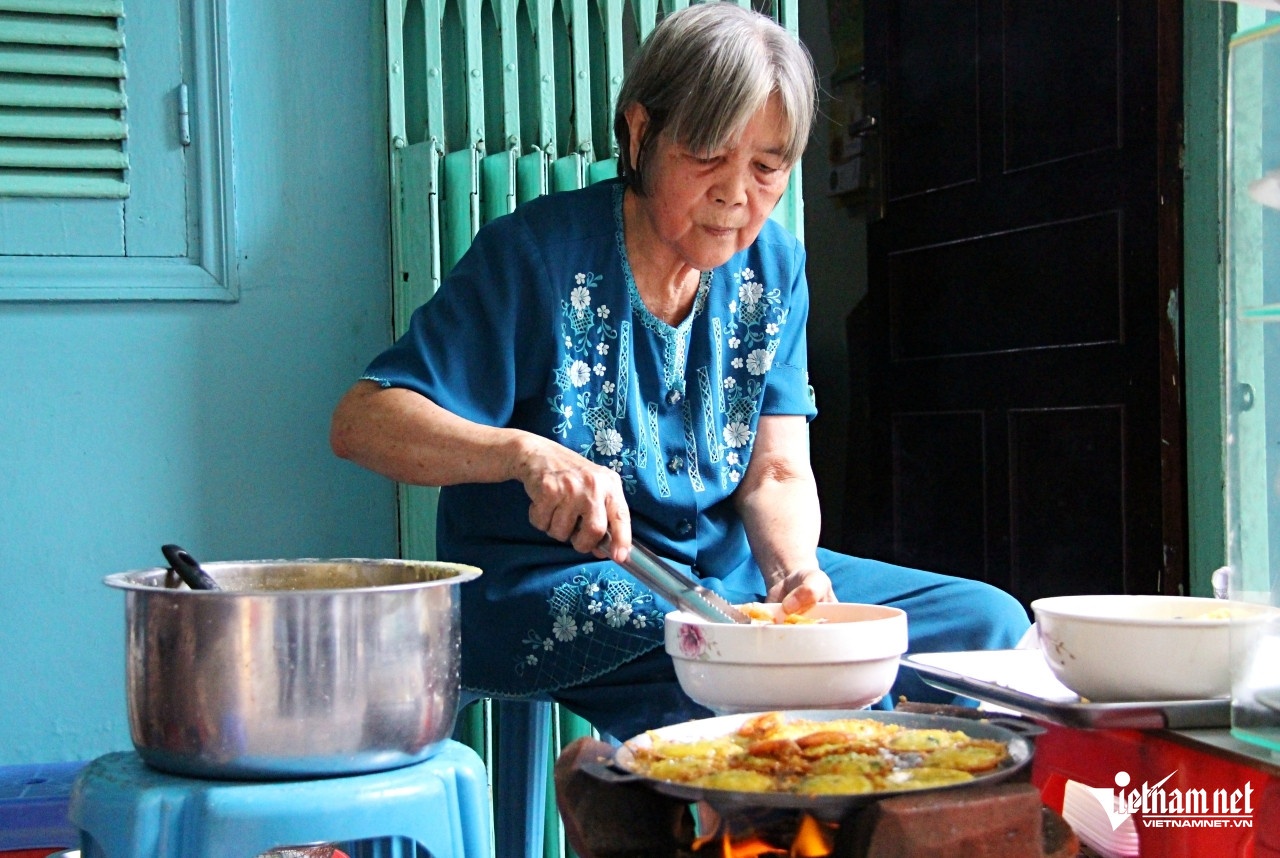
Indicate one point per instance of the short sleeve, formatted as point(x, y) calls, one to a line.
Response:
point(460, 349)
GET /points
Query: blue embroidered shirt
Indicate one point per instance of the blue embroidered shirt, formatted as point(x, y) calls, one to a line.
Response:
point(539, 327)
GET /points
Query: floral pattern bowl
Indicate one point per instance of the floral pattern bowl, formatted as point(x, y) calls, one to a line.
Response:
point(846, 660)
point(1116, 648)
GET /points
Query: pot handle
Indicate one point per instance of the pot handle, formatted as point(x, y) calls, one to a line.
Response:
point(1021, 726)
point(607, 770)
point(187, 568)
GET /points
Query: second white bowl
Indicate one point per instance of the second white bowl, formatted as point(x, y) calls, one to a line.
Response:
point(1129, 648)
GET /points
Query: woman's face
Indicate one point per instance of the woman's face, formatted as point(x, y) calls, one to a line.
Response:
point(706, 207)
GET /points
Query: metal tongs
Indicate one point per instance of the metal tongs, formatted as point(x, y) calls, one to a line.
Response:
point(679, 587)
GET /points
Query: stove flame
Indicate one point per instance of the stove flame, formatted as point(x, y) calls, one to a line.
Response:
point(813, 839)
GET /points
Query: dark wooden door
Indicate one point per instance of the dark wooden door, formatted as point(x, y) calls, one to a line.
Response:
point(1018, 344)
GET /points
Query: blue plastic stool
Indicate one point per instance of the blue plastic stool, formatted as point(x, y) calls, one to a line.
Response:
point(126, 809)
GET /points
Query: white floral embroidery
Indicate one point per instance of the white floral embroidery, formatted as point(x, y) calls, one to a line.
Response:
point(564, 627)
point(758, 361)
point(616, 465)
point(731, 457)
point(750, 293)
point(757, 316)
point(734, 476)
point(587, 376)
point(567, 411)
point(608, 442)
point(737, 434)
point(618, 614)
point(572, 605)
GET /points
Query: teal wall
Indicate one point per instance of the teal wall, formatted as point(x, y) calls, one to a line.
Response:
point(128, 425)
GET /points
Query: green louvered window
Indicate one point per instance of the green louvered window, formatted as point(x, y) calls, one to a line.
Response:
point(115, 147)
point(62, 99)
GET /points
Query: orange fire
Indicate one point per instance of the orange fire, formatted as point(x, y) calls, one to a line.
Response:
point(813, 839)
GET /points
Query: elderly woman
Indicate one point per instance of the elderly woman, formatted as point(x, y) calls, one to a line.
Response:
point(630, 359)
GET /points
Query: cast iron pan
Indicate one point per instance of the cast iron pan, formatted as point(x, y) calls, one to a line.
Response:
point(1015, 734)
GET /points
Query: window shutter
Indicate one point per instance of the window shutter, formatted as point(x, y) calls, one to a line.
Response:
point(62, 99)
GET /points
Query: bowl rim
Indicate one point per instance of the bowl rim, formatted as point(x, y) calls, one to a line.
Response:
point(893, 614)
point(1055, 607)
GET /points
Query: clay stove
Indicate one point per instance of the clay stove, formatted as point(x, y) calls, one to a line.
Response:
point(630, 820)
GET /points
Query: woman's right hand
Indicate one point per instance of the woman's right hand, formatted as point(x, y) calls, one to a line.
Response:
point(573, 499)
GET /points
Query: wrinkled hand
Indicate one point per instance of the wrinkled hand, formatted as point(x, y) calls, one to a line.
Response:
point(575, 500)
point(801, 589)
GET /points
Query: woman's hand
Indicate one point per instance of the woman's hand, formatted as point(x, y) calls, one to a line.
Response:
point(573, 499)
point(801, 589)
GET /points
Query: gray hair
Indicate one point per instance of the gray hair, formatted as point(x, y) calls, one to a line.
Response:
point(703, 73)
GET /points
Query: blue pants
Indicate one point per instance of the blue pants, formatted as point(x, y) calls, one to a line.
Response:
point(944, 614)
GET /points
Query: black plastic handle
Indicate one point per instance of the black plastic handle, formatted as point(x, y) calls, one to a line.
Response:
point(607, 771)
point(1021, 726)
point(187, 568)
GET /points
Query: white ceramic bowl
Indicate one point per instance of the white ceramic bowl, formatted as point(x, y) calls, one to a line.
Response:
point(847, 662)
point(1112, 648)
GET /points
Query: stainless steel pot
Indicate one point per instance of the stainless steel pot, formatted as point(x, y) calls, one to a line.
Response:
point(293, 668)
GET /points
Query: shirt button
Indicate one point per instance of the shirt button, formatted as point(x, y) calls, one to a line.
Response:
point(684, 527)
point(675, 464)
point(673, 396)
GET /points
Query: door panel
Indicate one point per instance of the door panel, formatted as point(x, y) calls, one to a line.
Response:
point(1019, 297)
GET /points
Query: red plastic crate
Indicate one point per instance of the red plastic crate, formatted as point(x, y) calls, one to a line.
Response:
point(1094, 757)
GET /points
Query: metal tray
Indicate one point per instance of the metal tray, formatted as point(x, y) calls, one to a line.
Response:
point(1019, 679)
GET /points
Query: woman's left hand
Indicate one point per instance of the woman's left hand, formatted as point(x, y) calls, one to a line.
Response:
point(778, 501)
point(801, 589)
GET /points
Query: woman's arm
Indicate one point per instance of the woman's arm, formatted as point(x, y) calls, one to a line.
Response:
point(778, 502)
point(405, 436)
